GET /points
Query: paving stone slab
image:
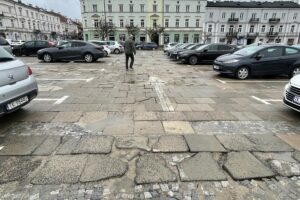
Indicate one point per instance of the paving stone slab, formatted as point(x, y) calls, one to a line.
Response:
point(21, 145)
point(17, 168)
point(243, 165)
point(48, 146)
point(178, 127)
point(100, 167)
point(131, 142)
point(291, 139)
point(201, 167)
point(236, 142)
point(170, 143)
point(67, 146)
point(94, 144)
point(153, 169)
point(296, 155)
point(61, 169)
point(148, 128)
point(268, 142)
point(207, 143)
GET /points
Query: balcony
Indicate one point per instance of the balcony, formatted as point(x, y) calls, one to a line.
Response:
point(254, 20)
point(272, 34)
point(233, 20)
point(231, 34)
point(274, 20)
point(252, 35)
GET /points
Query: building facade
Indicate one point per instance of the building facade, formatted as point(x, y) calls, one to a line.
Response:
point(251, 22)
point(171, 20)
point(19, 21)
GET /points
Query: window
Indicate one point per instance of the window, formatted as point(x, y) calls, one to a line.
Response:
point(232, 15)
point(212, 47)
point(185, 38)
point(154, 8)
point(131, 8)
point(121, 23)
point(209, 28)
point(12, 23)
point(36, 15)
point(187, 8)
point(9, 9)
point(23, 24)
point(85, 24)
point(271, 52)
point(211, 14)
point(20, 11)
point(94, 8)
point(240, 28)
point(177, 8)
point(131, 22)
point(283, 15)
point(29, 24)
point(222, 28)
point(154, 23)
point(83, 7)
point(109, 8)
point(176, 38)
point(29, 44)
point(33, 16)
point(224, 47)
point(253, 15)
point(198, 8)
point(223, 15)
point(177, 23)
point(196, 38)
point(142, 8)
point(197, 23)
point(280, 28)
point(166, 23)
point(271, 29)
point(110, 22)
point(96, 23)
point(292, 28)
point(266, 16)
point(241, 16)
point(186, 23)
point(121, 7)
point(274, 15)
point(27, 13)
point(222, 40)
point(263, 28)
point(142, 23)
point(251, 29)
point(295, 15)
point(291, 51)
point(167, 8)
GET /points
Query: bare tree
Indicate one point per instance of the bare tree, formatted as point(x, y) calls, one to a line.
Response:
point(132, 30)
point(105, 29)
point(154, 31)
point(206, 36)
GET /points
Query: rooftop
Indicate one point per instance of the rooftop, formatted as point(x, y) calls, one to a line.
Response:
point(253, 4)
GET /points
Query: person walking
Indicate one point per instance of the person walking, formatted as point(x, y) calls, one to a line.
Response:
point(129, 48)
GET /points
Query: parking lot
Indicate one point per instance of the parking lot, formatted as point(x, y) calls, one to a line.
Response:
point(131, 111)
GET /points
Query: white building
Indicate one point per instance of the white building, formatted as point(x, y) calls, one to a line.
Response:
point(249, 22)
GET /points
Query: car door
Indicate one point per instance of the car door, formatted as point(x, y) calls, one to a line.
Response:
point(40, 45)
point(224, 49)
point(267, 61)
point(209, 53)
point(290, 56)
point(76, 50)
point(28, 48)
point(63, 52)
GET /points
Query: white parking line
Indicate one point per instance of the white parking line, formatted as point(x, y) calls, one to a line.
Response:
point(254, 81)
point(266, 101)
point(57, 101)
point(67, 79)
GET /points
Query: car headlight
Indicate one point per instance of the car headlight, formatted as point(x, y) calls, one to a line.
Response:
point(231, 61)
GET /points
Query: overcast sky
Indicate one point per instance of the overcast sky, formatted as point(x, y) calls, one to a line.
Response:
point(69, 8)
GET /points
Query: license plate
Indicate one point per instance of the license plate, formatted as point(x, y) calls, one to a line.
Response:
point(17, 103)
point(297, 99)
point(216, 67)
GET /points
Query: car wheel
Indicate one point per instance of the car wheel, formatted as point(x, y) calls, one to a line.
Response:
point(47, 57)
point(295, 71)
point(140, 48)
point(117, 51)
point(106, 54)
point(193, 60)
point(242, 73)
point(88, 58)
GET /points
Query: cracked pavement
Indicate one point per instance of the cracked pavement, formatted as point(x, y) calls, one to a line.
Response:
point(162, 131)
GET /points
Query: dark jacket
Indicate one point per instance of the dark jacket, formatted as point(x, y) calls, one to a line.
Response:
point(129, 47)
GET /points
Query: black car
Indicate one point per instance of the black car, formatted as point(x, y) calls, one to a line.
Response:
point(173, 53)
point(72, 50)
point(31, 47)
point(206, 53)
point(260, 60)
point(147, 46)
point(192, 47)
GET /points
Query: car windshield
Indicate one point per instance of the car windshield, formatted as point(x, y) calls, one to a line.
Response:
point(196, 46)
point(189, 46)
point(248, 50)
point(5, 56)
point(202, 47)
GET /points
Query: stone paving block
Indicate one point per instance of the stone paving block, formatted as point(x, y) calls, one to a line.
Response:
point(68, 117)
point(201, 167)
point(146, 116)
point(94, 144)
point(92, 117)
point(268, 142)
point(21, 145)
point(100, 167)
point(148, 128)
point(245, 116)
point(170, 143)
point(172, 116)
point(201, 107)
point(61, 169)
point(236, 142)
point(207, 143)
point(197, 116)
point(39, 117)
point(178, 127)
point(48, 146)
point(67, 145)
point(153, 169)
point(292, 139)
point(17, 168)
point(118, 126)
point(296, 155)
point(133, 142)
point(243, 165)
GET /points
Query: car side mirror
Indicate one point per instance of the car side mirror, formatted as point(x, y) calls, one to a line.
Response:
point(60, 47)
point(205, 50)
point(258, 56)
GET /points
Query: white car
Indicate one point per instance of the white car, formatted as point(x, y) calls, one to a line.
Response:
point(17, 42)
point(291, 96)
point(103, 44)
point(169, 46)
point(115, 47)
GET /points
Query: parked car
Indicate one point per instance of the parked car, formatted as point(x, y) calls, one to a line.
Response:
point(147, 46)
point(5, 44)
point(173, 53)
point(115, 46)
point(31, 47)
point(193, 47)
point(72, 50)
point(291, 95)
point(102, 44)
point(206, 53)
point(17, 84)
point(260, 60)
point(60, 42)
point(169, 46)
point(173, 48)
point(16, 42)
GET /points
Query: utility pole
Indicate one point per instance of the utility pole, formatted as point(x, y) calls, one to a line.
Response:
point(105, 24)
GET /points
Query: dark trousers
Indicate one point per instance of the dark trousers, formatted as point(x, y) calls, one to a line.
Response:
point(131, 56)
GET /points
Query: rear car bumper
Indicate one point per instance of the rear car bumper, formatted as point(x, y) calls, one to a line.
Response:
point(99, 55)
point(10, 93)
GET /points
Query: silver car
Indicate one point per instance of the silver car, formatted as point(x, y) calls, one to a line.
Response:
point(17, 84)
point(115, 47)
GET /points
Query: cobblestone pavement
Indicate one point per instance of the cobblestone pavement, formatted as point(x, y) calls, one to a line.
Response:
point(162, 131)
